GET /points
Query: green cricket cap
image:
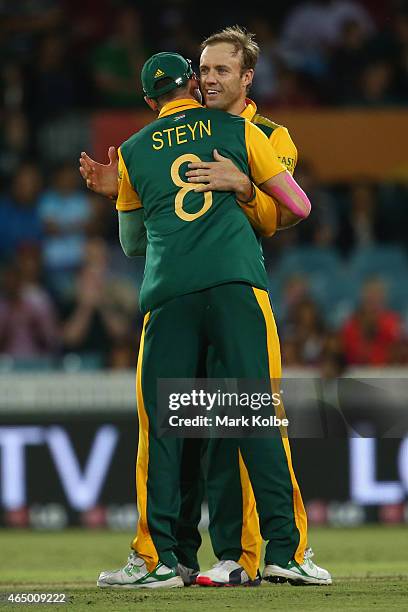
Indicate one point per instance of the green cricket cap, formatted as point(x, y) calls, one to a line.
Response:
point(161, 67)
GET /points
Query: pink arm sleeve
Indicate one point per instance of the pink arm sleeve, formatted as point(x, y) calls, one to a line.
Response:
point(286, 190)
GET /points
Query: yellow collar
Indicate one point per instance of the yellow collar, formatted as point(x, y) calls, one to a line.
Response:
point(179, 105)
point(249, 111)
point(183, 104)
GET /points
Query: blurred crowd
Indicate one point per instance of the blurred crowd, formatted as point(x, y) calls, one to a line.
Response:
point(60, 55)
point(69, 297)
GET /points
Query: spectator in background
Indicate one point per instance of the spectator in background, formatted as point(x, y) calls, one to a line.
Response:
point(399, 351)
point(370, 334)
point(65, 212)
point(179, 37)
point(293, 90)
point(117, 64)
point(308, 328)
point(314, 27)
point(291, 352)
point(399, 54)
point(89, 21)
point(361, 227)
point(391, 46)
point(12, 86)
point(20, 221)
point(295, 291)
point(103, 221)
point(322, 226)
point(264, 87)
point(375, 86)
point(28, 328)
point(14, 145)
point(347, 62)
point(99, 316)
point(24, 20)
point(53, 86)
point(302, 326)
point(29, 265)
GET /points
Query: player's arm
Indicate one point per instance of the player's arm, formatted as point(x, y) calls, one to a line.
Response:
point(132, 230)
point(286, 150)
point(132, 233)
point(223, 175)
point(272, 177)
point(266, 211)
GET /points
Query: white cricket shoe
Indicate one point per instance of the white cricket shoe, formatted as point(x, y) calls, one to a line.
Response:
point(135, 575)
point(306, 573)
point(226, 573)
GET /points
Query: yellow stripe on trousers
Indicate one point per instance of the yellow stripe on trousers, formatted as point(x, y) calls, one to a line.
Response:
point(275, 372)
point(143, 543)
point(251, 540)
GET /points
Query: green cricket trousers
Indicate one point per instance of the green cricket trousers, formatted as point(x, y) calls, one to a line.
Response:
point(246, 477)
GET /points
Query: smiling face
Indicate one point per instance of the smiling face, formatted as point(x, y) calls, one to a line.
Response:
point(223, 82)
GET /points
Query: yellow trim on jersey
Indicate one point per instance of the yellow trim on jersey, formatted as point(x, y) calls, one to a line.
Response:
point(251, 540)
point(128, 199)
point(250, 109)
point(262, 158)
point(275, 371)
point(143, 543)
point(179, 105)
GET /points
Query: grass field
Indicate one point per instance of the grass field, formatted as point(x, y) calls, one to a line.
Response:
point(369, 567)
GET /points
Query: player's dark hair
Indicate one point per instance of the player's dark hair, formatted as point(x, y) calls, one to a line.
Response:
point(241, 40)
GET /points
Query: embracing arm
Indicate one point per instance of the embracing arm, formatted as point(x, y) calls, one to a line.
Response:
point(280, 204)
point(132, 232)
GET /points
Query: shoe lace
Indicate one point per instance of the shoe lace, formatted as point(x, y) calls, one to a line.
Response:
point(134, 560)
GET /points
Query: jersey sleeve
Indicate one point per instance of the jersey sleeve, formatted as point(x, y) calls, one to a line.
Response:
point(263, 160)
point(262, 213)
point(128, 199)
point(285, 148)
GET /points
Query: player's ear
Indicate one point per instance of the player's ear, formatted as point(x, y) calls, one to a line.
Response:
point(194, 88)
point(151, 103)
point(247, 77)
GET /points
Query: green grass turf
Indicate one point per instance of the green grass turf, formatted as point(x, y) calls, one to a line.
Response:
point(369, 567)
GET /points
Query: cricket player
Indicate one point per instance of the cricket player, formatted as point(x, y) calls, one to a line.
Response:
point(226, 58)
point(226, 305)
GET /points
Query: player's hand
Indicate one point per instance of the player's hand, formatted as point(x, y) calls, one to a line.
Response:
point(219, 175)
point(101, 178)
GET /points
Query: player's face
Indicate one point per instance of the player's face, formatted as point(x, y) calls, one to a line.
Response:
point(223, 83)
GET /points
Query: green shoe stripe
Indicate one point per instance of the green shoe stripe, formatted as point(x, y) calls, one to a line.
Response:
point(158, 577)
point(293, 564)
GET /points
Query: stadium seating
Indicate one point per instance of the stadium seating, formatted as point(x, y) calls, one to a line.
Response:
point(383, 261)
point(336, 285)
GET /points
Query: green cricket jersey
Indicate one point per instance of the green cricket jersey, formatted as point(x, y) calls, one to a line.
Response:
point(194, 240)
